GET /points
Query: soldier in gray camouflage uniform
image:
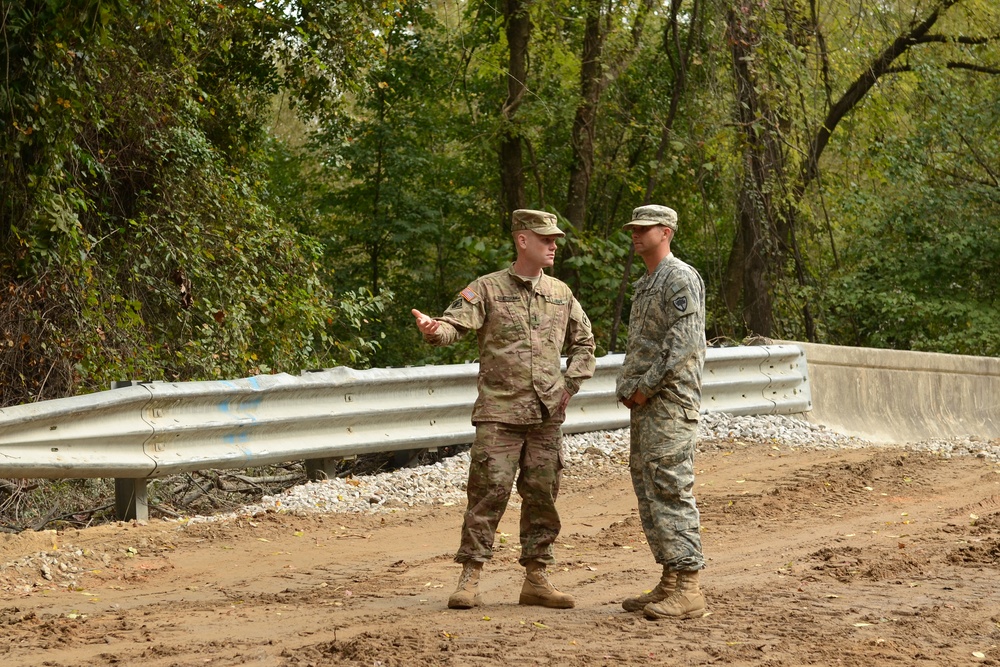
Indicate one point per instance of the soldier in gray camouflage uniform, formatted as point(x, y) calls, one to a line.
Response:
point(660, 382)
point(522, 319)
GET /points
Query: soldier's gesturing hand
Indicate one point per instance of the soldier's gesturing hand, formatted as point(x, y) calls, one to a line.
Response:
point(427, 325)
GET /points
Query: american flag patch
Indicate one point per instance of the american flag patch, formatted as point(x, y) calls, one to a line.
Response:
point(469, 295)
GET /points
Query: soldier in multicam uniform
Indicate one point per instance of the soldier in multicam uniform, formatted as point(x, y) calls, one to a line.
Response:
point(660, 382)
point(522, 319)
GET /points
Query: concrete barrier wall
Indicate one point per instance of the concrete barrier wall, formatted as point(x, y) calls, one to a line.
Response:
point(892, 396)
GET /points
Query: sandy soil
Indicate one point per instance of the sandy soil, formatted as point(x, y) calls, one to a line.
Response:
point(856, 557)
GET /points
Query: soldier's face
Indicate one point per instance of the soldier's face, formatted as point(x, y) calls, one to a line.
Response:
point(540, 250)
point(647, 239)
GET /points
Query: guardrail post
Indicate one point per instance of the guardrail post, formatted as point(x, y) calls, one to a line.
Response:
point(320, 469)
point(131, 501)
point(407, 458)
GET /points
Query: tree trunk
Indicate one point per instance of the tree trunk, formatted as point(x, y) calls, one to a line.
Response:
point(757, 311)
point(595, 76)
point(373, 245)
point(517, 25)
point(758, 217)
point(582, 141)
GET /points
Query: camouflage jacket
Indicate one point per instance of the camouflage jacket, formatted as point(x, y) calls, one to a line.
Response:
point(521, 332)
point(666, 336)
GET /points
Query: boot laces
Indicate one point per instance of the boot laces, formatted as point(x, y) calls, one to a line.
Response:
point(542, 579)
point(467, 573)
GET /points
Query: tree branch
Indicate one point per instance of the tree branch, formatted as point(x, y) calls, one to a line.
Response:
point(980, 160)
point(973, 67)
point(952, 64)
point(857, 90)
point(958, 39)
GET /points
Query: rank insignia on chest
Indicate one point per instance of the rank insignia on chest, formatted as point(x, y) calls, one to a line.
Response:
point(469, 295)
point(681, 303)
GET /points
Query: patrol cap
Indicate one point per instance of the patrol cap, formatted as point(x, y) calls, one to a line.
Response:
point(647, 216)
point(540, 222)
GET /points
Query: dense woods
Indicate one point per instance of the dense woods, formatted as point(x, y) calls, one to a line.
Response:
point(198, 190)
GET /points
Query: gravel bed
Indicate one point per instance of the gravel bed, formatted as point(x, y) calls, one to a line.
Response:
point(443, 483)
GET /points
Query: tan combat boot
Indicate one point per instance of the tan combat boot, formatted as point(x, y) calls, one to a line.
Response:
point(664, 587)
point(466, 596)
point(686, 601)
point(538, 591)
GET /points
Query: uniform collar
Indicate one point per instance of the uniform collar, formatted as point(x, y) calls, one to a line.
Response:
point(542, 286)
point(659, 267)
point(663, 262)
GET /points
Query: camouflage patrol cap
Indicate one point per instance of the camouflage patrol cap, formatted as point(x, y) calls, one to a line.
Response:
point(647, 216)
point(540, 222)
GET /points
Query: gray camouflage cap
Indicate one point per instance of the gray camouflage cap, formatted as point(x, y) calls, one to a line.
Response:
point(540, 222)
point(647, 216)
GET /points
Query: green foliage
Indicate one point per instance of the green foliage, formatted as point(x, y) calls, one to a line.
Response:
point(598, 263)
point(917, 203)
point(141, 236)
point(203, 190)
point(403, 211)
point(917, 272)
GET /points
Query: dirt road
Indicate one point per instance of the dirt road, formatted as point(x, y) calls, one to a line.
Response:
point(848, 557)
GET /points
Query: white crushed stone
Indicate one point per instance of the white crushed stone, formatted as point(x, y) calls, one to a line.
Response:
point(58, 567)
point(443, 483)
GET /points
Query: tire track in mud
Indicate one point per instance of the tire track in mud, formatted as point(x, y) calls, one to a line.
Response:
point(823, 487)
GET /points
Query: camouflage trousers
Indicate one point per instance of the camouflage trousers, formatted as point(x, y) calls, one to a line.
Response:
point(664, 436)
point(497, 453)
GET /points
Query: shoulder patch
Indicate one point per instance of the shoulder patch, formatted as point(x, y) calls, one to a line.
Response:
point(470, 295)
point(681, 303)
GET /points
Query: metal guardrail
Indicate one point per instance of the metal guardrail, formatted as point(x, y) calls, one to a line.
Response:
point(151, 430)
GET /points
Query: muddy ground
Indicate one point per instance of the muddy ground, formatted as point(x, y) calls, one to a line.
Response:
point(847, 557)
